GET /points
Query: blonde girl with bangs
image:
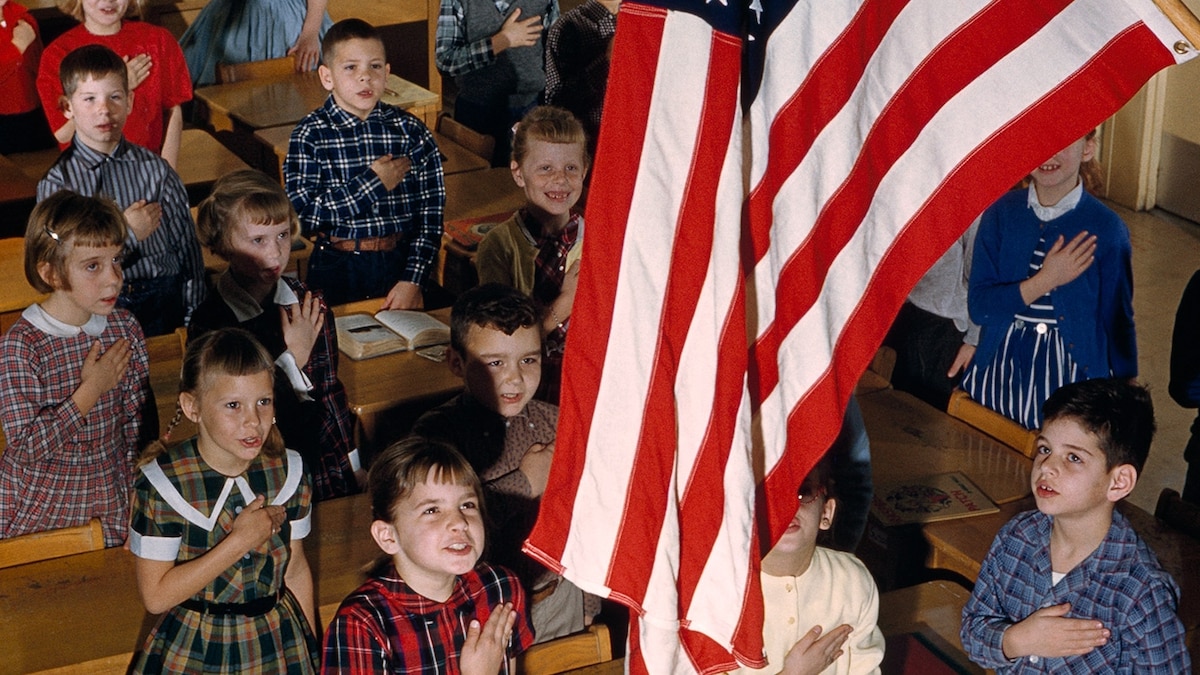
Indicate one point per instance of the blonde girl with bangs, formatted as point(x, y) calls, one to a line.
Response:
point(219, 522)
point(74, 377)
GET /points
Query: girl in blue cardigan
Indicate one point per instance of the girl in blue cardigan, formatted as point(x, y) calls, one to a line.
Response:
point(1052, 288)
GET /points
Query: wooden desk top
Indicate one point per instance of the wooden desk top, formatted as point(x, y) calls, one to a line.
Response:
point(476, 194)
point(286, 99)
point(85, 607)
point(203, 159)
point(15, 185)
point(15, 292)
point(910, 438)
point(392, 380)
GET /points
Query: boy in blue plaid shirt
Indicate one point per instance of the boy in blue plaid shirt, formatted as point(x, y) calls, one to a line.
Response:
point(1070, 587)
point(366, 179)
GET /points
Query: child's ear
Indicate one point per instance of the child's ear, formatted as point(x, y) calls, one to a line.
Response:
point(385, 537)
point(326, 76)
point(516, 172)
point(456, 362)
point(46, 271)
point(1121, 481)
point(1089, 150)
point(827, 512)
point(64, 104)
point(190, 406)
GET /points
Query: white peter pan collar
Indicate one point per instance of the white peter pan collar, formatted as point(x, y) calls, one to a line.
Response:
point(1048, 213)
point(49, 325)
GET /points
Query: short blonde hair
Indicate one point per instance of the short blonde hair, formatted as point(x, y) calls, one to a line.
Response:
point(63, 220)
point(74, 8)
point(247, 193)
point(552, 125)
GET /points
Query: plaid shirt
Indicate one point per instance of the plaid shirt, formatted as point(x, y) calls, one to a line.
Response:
point(453, 54)
point(1120, 584)
point(62, 468)
point(386, 627)
point(329, 464)
point(577, 62)
point(329, 179)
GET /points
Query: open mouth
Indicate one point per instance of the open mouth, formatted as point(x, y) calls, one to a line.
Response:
point(1044, 490)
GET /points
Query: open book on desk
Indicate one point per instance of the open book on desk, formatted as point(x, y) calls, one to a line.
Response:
point(363, 336)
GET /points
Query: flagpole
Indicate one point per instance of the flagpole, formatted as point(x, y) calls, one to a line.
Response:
point(1182, 17)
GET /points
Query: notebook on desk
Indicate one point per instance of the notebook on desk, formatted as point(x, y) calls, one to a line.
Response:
point(929, 499)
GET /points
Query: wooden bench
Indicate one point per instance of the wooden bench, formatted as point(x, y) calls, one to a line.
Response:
point(64, 541)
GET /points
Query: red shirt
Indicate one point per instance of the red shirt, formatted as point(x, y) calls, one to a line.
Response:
point(167, 86)
point(17, 70)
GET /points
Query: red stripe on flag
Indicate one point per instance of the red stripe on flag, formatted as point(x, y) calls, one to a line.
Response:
point(627, 107)
point(692, 247)
point(1105, 84)
point(950, 67)
point(817, 100)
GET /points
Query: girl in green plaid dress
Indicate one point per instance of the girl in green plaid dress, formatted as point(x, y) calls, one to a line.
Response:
point(218, 525)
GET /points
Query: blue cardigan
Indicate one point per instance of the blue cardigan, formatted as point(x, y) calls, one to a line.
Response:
point(1095, 311)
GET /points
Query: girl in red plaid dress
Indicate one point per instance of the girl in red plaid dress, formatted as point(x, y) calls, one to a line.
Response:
point(73, 377)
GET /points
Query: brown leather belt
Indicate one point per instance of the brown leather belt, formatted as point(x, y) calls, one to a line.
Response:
point(386, 243)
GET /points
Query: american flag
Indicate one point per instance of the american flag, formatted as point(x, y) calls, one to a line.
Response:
point(772, 179)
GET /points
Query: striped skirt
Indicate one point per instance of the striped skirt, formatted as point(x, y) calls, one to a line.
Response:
point(1027, 367)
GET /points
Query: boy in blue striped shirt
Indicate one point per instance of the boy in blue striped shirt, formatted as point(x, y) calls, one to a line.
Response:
point(164, 268)
point(1070, 587)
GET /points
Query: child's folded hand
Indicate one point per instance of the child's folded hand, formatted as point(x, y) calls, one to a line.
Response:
point(1048, 632)
point(391, 170)
point(813, 653)
point(144, 218)
point(104, 371)
point(484, 650)
point(138, 68)
point(258, 522)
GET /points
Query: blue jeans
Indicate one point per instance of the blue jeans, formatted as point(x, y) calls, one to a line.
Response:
point(347, 276)
point(156, 303)
point(851, 453)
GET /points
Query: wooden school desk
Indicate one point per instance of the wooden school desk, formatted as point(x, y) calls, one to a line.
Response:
point(85, 607)
point(18, 194)
point(909, 439)
point(281, 100)
point(384, 384)
point(15, 292)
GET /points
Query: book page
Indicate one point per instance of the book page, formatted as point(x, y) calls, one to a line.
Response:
point(419, 328)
